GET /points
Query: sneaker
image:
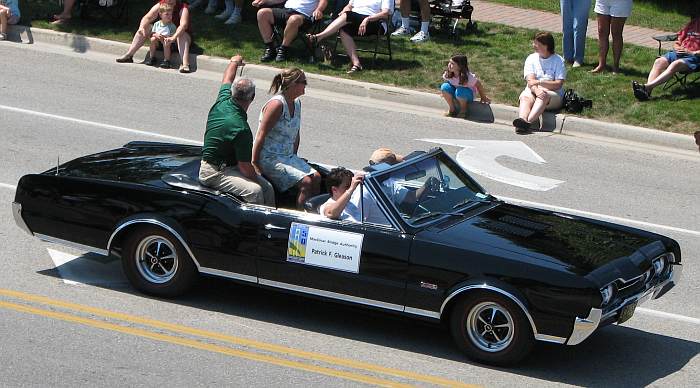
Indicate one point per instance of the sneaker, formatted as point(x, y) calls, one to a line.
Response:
point(281, 54)
point(640, 92)
point(268, 54)
point(3, 36)
point(401, 31)
point(234, 19)
point(151, 61)
point(576, 64)
point(521, 126)
point(210, 10)
point(165, 64)
point(420, 37)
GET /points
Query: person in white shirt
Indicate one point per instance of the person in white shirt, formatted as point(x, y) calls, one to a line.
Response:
point(358, 18)
point(545, 73)
point(341, 184)
point(405, 29)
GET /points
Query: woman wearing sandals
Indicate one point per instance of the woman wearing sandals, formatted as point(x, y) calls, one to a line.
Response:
point(358, 18)
point(181, 18)
point(611, 16)
point(277, 139)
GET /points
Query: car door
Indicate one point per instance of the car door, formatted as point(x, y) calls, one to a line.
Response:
point(378, 278)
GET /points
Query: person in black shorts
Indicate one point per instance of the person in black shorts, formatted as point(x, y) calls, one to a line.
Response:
point(292, 15)
point(358, 18)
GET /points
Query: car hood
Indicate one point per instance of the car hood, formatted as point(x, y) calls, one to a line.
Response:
point(599, 250)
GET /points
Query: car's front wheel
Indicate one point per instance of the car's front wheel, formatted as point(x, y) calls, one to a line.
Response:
point(155, 262)
point(490, 328)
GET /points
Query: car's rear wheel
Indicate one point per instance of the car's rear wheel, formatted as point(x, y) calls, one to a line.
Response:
point(155, 262)
point(490, 328)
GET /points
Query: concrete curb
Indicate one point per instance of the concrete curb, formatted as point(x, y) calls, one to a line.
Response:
point(562, 123)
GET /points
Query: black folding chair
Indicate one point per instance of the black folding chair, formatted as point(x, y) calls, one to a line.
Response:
point(278, 34)
point(686, 79)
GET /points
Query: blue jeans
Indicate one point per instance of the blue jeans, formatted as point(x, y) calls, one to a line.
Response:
point(460, 92)
point(574, 15)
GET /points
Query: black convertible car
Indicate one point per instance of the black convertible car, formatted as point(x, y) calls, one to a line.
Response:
point(500, 276)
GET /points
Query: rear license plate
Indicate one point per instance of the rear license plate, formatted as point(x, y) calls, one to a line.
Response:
point(626, 312)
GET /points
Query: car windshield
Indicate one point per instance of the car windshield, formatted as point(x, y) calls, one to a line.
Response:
point(430, 188)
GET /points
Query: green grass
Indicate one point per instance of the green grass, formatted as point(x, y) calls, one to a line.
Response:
point(496, 53)
point(665, 15)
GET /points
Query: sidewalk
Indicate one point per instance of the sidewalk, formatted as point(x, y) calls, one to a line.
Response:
point(486, 11)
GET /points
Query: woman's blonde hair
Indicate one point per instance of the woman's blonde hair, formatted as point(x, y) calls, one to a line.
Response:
point(285, 79)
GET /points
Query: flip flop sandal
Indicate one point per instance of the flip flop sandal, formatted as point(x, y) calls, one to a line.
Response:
point(640, 92)
point(354, 69)
point(185, 69)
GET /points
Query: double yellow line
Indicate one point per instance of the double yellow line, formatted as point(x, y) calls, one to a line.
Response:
point(256, 345)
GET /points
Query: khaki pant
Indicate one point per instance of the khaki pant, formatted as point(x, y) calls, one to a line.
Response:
point(231, 180)
point(555, 100)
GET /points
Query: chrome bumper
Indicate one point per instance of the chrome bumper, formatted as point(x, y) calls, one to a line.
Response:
point(17, 214)
point(584, 327)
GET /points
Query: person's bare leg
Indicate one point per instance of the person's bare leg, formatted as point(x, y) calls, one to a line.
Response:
point(67, 10)
point(675, 67)
point(616, 27)
point(3, 21)
point(350, 48)
point(265, 22)
point(183, 47)
point(332, 28)
point(603, 44)
point(167, 49)
point(424, 10)
point(137, 42)
point(306, 190)
point(525, 107)
point(152, 48)
point(292, 29)
point(537, 109)
point(450, 103)
point(462, 108)
point(660, 64)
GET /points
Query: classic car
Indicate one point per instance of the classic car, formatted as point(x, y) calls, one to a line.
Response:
point(500, 276)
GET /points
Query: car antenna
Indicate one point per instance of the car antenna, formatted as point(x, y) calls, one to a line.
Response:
point(58, 162)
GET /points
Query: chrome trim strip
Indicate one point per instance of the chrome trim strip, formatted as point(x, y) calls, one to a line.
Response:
point(421, 312)
point(550, 338)
point(584, 327)
point(153, 222)
point(71, 244)
point(227, 274)
point(674, 278)
point(332, 295)
point(495, 289)
point(19, 220)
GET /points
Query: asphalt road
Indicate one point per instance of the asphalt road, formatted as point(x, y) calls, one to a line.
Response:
point(82, 324)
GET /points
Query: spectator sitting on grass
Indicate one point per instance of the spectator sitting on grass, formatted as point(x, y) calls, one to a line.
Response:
point(294, 15)
point(545, 73)
point(162, 29)
point(181, 18)
point(685, 56)
point(341, 183)
point(9, 14)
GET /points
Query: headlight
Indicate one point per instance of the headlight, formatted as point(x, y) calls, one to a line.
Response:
point(659, 265)
point(607, 293)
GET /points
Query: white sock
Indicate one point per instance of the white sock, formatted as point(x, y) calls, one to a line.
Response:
point(424, 27)
point(229, 5)
point(405, 22)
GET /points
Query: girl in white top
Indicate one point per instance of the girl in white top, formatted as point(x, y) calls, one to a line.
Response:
point(545, 73)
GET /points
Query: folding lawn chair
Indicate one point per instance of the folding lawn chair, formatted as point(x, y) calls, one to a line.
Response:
point(686, 79)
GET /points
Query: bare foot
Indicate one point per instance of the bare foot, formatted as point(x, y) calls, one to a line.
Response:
point(598, 69)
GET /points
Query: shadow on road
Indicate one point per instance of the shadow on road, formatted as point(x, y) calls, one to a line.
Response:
point(623, 355)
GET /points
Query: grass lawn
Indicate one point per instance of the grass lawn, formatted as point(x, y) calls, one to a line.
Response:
point(496, 54)
point(665, 15)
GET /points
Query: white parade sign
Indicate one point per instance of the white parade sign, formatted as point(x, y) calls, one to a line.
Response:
point(323, 247)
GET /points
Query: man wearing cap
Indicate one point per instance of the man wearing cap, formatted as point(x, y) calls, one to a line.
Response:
point(228, 142)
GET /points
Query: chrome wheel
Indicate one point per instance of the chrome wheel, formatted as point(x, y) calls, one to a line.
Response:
point(156, 259)
point(490, 327)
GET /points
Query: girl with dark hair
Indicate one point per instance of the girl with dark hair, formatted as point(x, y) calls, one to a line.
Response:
point(277, 139)
point(460, 85)
point(545, 73)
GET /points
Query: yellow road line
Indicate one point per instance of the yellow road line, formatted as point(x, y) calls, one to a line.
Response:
point(202, 346)
point(238, 340)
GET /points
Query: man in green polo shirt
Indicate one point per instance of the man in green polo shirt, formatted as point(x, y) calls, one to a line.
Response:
point(228, 142)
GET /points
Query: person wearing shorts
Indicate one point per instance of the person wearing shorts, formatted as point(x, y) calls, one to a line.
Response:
point(545, 73)
point(611, 16)
point(9, 14)
point(358, 18)
point(295, 15)
point(684, 57)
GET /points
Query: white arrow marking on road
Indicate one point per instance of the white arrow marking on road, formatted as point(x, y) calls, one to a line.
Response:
point(6, 186)
point(82, 270)
point(479, 156)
